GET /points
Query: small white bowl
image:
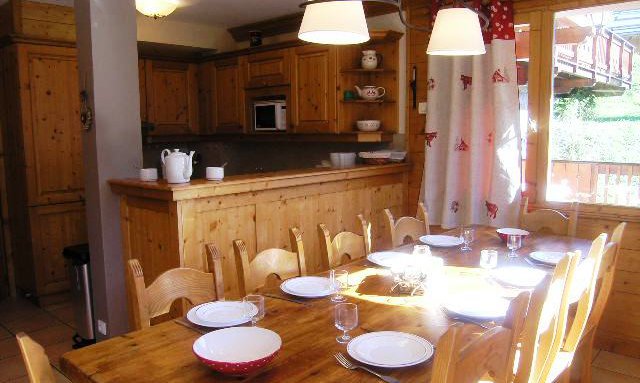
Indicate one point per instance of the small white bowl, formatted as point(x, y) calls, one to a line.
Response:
point(368, 125)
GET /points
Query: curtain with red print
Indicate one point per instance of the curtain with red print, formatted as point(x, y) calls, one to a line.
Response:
point(473, 146)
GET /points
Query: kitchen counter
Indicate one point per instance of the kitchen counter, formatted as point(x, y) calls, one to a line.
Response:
point(166, 226)
point(202, 188)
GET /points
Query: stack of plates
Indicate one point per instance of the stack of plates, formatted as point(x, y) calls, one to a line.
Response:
point(441, 240)
point(474, 305)
point(390, 258)
point(518, 277)
point(221, 314)
point(308, 287)
point(547, 258)
point(390, 349)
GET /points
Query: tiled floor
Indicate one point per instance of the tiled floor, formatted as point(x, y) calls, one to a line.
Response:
point(53, 327)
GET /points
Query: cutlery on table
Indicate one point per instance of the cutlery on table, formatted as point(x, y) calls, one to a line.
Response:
point(469, 320)
point(275, 296)
point(537, 264)
point(189, 325)
point(346, 363)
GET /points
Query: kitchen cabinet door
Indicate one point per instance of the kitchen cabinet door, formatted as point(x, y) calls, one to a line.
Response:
point(51, 133)
point(55, 227)
point(313, 89)
point(172, 97)
point(228, 96)
point(268, 69)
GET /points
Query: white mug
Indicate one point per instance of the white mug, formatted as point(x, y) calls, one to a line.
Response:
point(215, 173)
point(149, 174)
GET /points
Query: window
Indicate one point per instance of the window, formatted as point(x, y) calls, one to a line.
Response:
point(594, 124)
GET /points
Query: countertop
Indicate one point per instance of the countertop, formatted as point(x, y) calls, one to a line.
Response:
point(202, 188)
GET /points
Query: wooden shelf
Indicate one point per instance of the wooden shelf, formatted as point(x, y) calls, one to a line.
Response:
point(367, 71)
point(368, 101)
point(355, 136)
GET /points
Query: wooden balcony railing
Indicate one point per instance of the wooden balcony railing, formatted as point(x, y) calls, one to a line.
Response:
point(595, 182)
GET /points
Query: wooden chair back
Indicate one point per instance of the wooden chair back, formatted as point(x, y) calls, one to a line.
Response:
point(35, 360)
point(461, 360)
point(408, 228)
point(269, 266)
point(549, 220)
point(545, 323)
point(582, 291)
point(195, 286)
point(345, 246)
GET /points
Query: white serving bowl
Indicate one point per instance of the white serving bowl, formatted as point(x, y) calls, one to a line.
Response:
point(237, 350)
point(368, 125)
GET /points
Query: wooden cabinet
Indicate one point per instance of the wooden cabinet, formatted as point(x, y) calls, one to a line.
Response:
point(44, 174)
point(53, 228)
point(269, 68)
point(228, 97)
point(171, 91)
point(313, 89)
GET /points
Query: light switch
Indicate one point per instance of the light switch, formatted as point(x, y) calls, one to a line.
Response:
point(422, 107)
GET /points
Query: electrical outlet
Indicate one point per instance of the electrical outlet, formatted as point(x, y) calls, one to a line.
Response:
point(422, 108)
point(102, 327)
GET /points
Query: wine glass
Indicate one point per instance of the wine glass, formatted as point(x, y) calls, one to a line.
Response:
point(251, 303)
point(339, 280)
point(421, 250)
point(346, 319)
point(514, 242)
point(488, 259)
point(467, 238)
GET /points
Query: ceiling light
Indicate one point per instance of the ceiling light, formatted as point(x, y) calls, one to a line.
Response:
point(456, 32)
point(156, 8)
point(334, 22)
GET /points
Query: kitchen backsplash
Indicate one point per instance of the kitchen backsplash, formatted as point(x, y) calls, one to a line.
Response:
point(255, 157)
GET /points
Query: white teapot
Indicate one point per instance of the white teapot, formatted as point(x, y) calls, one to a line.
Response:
point(369, 60)
point(370, 92)
point(177, 166)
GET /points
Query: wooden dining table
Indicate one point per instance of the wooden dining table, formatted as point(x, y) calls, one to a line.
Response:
point(163, 353)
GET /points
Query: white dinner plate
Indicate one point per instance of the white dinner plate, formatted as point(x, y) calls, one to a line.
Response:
point(518, 276)
point(389, 258)
point(441, 240)
point(547, 257)
point(390, 349)
point(307, 287)
point(477, 305)
point(220, 314)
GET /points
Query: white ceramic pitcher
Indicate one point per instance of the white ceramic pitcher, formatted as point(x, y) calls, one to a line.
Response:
point(177, 166)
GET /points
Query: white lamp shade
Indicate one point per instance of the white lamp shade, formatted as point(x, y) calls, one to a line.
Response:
point(156, 8)
point(456, 32)
point(334, 22)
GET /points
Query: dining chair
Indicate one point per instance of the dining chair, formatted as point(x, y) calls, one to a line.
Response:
point(270, 266)
point(408, 227)
point(346, 246)
point(549, 220)
point(147, 302)
point(35, 360)
point(580, 370)
point(545, 324)
point(463, 356)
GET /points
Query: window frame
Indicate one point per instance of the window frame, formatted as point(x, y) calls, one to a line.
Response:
point(540, 16)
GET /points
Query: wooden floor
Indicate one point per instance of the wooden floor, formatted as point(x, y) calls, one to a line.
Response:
point(53, 327)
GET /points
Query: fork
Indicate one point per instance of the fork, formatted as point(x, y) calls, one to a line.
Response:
point(346, 363)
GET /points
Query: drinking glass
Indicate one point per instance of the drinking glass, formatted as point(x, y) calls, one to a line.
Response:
point(488, 259)
point(467, 237)
point(339, 280)
point(251, 302)
point(514, 242)
point(421, 250)
point(346, 319)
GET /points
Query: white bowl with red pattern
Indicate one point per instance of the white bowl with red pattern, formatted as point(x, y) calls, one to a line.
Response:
point(504, 233)
point(237, 350)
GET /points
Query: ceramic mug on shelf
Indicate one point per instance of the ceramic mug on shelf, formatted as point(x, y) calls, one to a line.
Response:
point(215, 173)
point(148, 174)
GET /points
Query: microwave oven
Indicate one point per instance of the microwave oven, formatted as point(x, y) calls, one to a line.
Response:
point(270, 115)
